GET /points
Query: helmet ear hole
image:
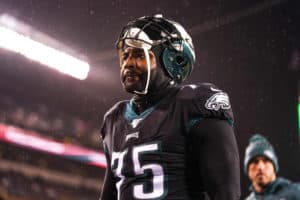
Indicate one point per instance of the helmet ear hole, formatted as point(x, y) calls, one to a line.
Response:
point(179, 59)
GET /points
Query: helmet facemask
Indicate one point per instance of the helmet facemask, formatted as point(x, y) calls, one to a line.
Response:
point(139, 43)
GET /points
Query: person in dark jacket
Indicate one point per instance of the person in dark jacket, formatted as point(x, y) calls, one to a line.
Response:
point(261, 166)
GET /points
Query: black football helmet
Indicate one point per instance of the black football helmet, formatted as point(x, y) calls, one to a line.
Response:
point(177, 54)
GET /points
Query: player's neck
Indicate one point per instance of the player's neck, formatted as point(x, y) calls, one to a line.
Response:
point(143, 102)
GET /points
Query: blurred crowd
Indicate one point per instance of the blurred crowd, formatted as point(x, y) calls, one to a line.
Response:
point(50, 123)
point(17, 185)
point(23, 183)
point(46, 161)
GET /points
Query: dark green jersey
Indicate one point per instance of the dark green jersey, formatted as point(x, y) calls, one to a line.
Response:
point(149, 153)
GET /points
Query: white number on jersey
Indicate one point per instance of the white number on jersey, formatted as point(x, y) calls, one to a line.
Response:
point(156, 169)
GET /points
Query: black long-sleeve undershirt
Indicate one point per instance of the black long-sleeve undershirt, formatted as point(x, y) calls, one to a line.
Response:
point(215, 156)
point(109, 191)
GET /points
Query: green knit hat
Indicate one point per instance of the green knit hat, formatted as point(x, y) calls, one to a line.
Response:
point(260, 146)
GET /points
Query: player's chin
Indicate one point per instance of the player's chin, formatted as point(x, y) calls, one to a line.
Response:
point(131, 87)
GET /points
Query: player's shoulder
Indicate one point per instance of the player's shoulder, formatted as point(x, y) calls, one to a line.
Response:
point(193, 90)
point(204, 91)
point(111, 115)
point(115, 109)
point(204, 100)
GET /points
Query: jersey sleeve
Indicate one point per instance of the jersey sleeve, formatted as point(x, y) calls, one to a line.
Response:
point(107, 127)
point(215, 157)
point(108, 190)
point(205, 101)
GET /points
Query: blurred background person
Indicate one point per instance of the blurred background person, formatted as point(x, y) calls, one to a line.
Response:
point(261, 166)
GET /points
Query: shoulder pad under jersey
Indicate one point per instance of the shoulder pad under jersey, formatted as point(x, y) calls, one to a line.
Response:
point(205, 100)
point(110, 115)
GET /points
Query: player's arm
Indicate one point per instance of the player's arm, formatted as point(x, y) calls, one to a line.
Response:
point(109, 188)
point(109, 191)
point(216, 153)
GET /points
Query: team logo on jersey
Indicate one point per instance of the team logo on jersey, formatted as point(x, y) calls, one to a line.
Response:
point(132, 135)
point(217, 101)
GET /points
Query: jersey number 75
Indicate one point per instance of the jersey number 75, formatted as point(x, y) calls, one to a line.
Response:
point(157, 181)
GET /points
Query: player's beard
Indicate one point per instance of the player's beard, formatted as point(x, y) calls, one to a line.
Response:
point(134, 81)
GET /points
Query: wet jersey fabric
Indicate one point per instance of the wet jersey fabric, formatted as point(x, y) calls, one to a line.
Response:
point(281, 189)
point(148, 154)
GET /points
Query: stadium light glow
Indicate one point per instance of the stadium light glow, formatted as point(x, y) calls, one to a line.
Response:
point(18, 42)
point(32, 140)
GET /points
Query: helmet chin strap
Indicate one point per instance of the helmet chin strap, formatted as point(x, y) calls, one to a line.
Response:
point(145, 91)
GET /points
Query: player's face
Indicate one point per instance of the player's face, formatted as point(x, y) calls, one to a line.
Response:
point(134, 68)
point(261, 171)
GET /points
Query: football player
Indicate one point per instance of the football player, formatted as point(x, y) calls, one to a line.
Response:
point(169, 141)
